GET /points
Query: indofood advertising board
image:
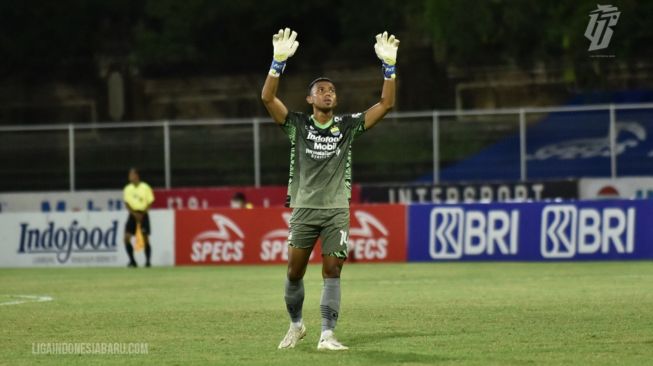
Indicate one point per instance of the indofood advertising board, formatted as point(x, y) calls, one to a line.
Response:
point(77, 239)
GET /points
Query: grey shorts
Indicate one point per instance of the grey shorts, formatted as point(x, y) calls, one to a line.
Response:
point(330, 224)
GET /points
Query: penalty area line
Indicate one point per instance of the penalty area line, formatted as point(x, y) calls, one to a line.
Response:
point(22, 299)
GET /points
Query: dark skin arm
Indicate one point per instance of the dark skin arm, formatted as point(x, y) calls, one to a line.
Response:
point(274, 105)
point(137, 215)
point(380, 109)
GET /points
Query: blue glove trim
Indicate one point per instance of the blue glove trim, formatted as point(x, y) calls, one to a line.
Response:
point(389, 71)
point(276, 69)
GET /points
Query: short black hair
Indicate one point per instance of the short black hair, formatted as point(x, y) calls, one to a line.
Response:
point(321, 78)
point(136, 170)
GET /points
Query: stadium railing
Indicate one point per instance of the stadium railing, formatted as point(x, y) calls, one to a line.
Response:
point(426, 146)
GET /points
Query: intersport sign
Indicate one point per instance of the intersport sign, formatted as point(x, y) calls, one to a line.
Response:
point(591, 230)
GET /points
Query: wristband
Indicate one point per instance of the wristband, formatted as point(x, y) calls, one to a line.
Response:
point(389, 71)
point(277, 67)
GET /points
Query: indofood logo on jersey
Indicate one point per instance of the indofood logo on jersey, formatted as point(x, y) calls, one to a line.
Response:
point(65, 240)
point(323, 146)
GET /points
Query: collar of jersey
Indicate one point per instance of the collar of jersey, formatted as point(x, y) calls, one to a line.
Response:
point(320, 125)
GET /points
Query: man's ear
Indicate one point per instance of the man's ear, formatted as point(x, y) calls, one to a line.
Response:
point(309, 99)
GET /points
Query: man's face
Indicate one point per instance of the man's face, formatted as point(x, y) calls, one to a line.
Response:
point(133, 176)
point(237, 203)
point(323, 96)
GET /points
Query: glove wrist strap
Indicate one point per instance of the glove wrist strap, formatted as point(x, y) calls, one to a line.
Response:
point(277, 67)
point(389, 71)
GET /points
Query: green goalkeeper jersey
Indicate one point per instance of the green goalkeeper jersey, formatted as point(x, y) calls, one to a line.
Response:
point(320, 159)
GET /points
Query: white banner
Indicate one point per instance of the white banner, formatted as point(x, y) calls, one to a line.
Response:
point(80, 239)
point(61, 201)
point(606, 188)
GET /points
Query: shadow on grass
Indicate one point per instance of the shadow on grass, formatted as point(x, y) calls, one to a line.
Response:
point(366, 338)
point(363, 346)
point(393, 358)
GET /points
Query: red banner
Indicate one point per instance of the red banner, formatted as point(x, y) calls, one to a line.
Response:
point(229, 236)
point(203, 198)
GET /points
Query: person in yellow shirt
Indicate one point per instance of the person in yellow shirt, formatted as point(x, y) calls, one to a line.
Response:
point(138, 197)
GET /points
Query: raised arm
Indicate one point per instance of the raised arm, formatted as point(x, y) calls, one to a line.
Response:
point(274, 105)
point(386, 50)
point(284, 47)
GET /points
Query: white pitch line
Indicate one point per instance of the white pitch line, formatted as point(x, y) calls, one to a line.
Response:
point(26, 299)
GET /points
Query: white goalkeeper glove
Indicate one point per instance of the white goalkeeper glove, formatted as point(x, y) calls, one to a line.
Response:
point(284, 47)
point(386, 50)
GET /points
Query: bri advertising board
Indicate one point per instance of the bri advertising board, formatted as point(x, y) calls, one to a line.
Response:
point(79, 239)
point(231, 236)
point(584, 230)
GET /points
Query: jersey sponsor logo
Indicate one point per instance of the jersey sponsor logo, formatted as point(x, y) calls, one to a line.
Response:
point(370, 239)
point(323, 146)
point(568, 231)
point(356, 115)
point(324, 139)
point(222, 245)
point(274, 244)
point(319, 155)
point(455, 233)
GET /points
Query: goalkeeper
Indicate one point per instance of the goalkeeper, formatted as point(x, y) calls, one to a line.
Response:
point(319, 184)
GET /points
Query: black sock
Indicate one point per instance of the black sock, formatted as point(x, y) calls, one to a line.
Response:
point(148, 252)
point(130, 251)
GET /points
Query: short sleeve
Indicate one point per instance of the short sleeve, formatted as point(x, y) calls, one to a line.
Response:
point(289, 126)
point(150, 195)
point(125, 195)
point(358, 124)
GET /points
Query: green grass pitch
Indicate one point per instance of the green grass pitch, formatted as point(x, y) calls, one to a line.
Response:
point(392, 314)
